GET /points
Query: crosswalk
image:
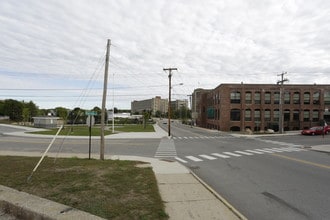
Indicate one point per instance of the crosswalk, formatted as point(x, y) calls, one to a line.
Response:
point(199, 137)
point(236, 154)
point(165, 149)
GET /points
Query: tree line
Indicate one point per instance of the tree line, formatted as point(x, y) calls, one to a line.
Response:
point(21, 111)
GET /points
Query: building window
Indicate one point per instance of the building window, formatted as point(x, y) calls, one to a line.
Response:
point(286, 115)
point(276, 115)
point(248, 98)
point(257, 115)
point(327, 97)
point(210, 113)
point(315, 115)
point(306, 115)
point(316, 98)
point(235, 97)
point(267, 115)
point(248, 115)
point(257, 98)
point(286, 97)
point(296, 98)
point(235, 115)
point(267, 98)
point(276, 98)
point(296, 115)
point(307, 98)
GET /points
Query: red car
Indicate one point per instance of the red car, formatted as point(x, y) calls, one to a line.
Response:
point(316, 130)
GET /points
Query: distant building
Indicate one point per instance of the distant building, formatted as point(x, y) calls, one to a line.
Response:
point(46, 122)
point(236, 107)
point(153, 105)
point(178, 104)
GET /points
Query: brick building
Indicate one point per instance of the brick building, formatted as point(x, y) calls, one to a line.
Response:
point(236, 107)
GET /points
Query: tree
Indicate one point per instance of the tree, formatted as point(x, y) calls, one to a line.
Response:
point(77, 116)
point(63, 113)
point(33, 109)
point(26, 115)
point(2, 103)
point(98, 116)
point(13, 109)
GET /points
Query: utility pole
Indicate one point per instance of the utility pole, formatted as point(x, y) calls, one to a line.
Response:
point(281, 121)
point(105, 85)
point(191, 118)
point(169, 97)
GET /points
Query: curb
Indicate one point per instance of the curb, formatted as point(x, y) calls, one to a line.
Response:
point(223, 200)
point(22, 205)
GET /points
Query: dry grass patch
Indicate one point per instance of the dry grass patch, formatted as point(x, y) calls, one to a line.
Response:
point(111, 189)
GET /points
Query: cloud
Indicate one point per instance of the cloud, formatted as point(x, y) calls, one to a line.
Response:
point(210, 42)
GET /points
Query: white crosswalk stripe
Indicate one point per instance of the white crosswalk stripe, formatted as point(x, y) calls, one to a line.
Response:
point(207, 157)
point(166, 148)
point(194, 158)
point(221, 155)
point(200, 137)
point(265, 151)
point(243, 152)
point(232, 154)
point(181, 160)
point(273, 149)
point(255, 152)
point(238, 153)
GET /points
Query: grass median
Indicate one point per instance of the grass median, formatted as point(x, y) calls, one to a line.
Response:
point(111, 189)
point(96, 130)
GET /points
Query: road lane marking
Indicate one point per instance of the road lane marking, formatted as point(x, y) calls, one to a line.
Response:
point(243, 152)
point(265, 151)
point(303, 161)
point(254, 151)
point(207, 157)
point(194, 158)
point(232, 154)
point(181, 160)
point(287, 149)
point(274, 149)
point(221, 155)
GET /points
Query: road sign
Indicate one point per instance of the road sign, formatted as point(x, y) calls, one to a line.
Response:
point(91, 113)
point(90, 121)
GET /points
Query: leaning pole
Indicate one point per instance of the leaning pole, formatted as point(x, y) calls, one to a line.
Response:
point(105, 85)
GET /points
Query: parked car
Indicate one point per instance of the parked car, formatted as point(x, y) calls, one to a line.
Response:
point(316, 130)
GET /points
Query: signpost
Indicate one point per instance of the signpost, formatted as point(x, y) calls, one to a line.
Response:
point(90, 122)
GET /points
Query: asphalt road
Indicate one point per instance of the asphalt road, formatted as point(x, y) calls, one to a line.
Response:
point(263, 177)
point(273, 184)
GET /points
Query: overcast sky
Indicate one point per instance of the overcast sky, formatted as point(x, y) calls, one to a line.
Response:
point(53, 52)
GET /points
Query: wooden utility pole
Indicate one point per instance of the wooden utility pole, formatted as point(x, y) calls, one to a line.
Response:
point(105, 85)
point(281, 121)
point(169, 97)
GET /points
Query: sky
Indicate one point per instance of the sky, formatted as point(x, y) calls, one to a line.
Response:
point(53, 52)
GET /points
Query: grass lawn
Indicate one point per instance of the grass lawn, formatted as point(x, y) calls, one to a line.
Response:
point(96, 131)
point(111, 189)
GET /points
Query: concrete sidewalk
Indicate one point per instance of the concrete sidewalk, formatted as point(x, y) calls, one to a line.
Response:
point(322, 148)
